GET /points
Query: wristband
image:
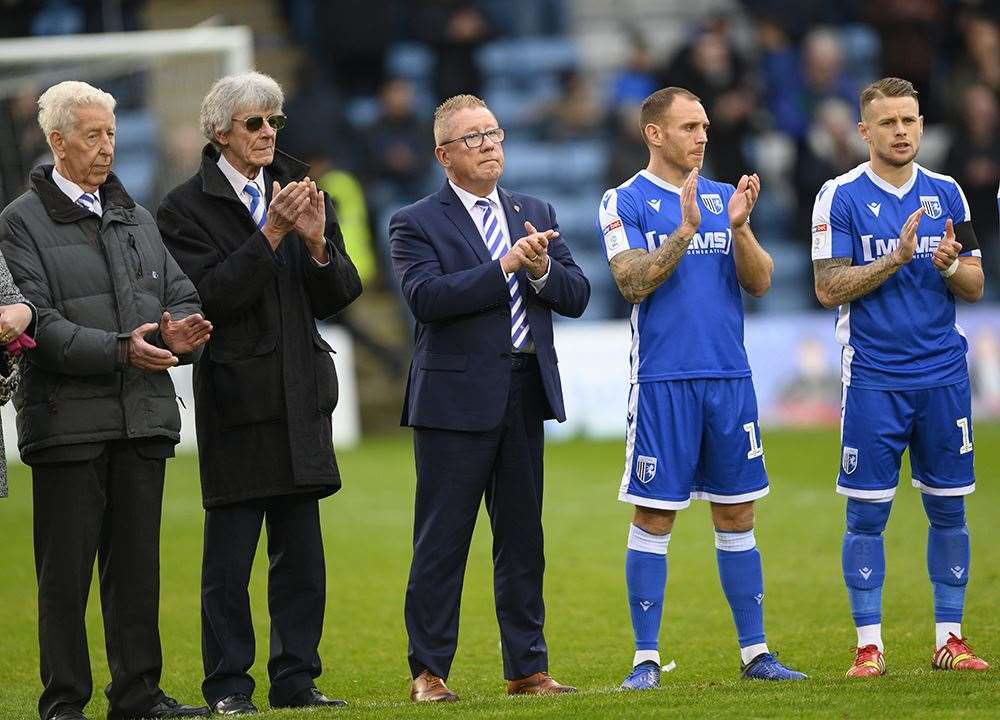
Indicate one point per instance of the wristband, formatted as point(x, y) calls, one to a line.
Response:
point(952, 269)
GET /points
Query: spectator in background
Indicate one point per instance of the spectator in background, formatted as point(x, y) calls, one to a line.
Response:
point(455, 30)
point(575, 113)
point(909, 32)
point(830, 148)
point(397, 144)
point(979, 64)
point(636, 81)
point(628, 151)
point(711, 68)
point(796, 89)
point(974, 161)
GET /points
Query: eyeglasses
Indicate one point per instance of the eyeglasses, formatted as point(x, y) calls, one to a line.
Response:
point(475, 139)
point(256, 122)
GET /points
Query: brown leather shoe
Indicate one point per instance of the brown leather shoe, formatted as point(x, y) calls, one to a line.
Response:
point(541, 683)
point(430, 688)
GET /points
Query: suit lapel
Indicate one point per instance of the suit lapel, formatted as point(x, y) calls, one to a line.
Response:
point(455, 211)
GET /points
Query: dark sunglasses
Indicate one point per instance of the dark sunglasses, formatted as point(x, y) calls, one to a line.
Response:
point(256, 122)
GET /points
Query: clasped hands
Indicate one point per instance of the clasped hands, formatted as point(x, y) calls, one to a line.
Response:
point(180, 337)
point(298, 206)
point(530, 252)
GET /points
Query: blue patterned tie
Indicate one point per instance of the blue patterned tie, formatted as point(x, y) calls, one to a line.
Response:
point(87, 201)
point(497, 245)
point(257, 210)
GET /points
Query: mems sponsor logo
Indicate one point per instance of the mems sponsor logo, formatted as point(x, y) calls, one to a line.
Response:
point(709, 243)
point(873, 248)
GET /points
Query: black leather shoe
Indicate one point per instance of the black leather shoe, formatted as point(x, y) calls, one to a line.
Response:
point(166, 708)
point(238, 704)
point(310, 697)
point(68, 713)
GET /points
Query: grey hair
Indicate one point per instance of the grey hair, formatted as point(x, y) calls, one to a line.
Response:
point(242, 91)
point(57, 106)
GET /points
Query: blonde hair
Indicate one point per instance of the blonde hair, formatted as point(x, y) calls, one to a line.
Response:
point(57, 106)
point(887, 87)
point(448, 108)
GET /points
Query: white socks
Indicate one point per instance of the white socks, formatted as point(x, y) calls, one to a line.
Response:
point(642, 656)
point(749, 652)
point(871, 635)
point(941, 632)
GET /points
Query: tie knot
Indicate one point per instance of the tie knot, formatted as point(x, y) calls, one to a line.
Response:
point(88, 198)
point(252, 191)
point(483, 203)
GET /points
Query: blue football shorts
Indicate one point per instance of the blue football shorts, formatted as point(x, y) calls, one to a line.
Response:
point(692, 439)
point(936, 424)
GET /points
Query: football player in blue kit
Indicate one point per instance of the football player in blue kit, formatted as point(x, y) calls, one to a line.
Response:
point(892, 247)
point(680, 248)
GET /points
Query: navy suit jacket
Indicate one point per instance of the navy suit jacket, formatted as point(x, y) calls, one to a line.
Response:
point(460, 374)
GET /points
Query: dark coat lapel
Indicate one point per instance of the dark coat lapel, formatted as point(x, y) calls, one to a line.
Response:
point(460, 217)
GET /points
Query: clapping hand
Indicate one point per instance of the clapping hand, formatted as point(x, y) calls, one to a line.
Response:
point(183, 336)
point(530, 252)
point(908, 238)
point(146, 356)
point(690, 212)
point(287, 204)
point(947, 251)
point(742, 202)
point(311, 223)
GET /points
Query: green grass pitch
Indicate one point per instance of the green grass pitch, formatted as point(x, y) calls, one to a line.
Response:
point(367, 531)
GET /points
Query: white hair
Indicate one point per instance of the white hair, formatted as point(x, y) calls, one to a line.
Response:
point(58, 105)
point(243, 91)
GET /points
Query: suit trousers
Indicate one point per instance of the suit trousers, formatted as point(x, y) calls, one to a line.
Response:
point(107, 506)
point(296, 595)
point(454, 471)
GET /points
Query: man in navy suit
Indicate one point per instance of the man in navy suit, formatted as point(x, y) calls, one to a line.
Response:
point(482, 283)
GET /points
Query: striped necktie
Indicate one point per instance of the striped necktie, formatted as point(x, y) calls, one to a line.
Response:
point(87, 201)
point(497, 245)
point(257, 210)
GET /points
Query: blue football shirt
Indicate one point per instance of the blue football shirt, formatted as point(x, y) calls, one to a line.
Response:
point(903, 334)
point(692, 325)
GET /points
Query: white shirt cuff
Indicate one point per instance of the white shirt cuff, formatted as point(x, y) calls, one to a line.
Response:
point(316, 262)
point(540, 282)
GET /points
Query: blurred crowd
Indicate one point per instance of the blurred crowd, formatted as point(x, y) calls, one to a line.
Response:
point(780, 82)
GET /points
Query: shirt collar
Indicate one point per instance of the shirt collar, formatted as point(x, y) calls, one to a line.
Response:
point(70, 188)
point(469, 200)
point(238, 180)
point(659, 182)
point(899, 192)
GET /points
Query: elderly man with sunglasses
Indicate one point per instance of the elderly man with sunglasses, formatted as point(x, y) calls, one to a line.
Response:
point(265, 250)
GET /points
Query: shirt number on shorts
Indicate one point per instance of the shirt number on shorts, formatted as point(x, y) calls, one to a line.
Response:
point(963, 424)
point(756, 449)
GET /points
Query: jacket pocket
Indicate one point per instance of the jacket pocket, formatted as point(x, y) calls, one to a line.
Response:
point(246, 381)
point(327, 386)
point(442, 361)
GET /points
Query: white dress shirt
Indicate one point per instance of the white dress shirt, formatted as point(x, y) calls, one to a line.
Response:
point(239, 181)
point(476, 213)
point(74, 191)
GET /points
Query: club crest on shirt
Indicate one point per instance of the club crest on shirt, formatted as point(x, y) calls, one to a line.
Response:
point(713, 202)
point(645, 468)
point(931, 205)
point(850, 460)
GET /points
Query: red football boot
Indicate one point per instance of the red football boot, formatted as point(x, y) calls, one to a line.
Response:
point(868, 662)
point(957, 655)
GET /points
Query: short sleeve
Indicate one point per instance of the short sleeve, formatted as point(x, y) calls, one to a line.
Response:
point(831, 224)
point(618, 224)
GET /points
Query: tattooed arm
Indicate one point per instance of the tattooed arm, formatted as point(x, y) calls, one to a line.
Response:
point(838, 282)
point(637, 272)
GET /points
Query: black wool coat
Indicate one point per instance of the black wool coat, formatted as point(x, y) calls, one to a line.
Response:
point(266, 386)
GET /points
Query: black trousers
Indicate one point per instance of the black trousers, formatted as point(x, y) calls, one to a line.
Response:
point(106, 506)
point(454, 471)
point(296, 595)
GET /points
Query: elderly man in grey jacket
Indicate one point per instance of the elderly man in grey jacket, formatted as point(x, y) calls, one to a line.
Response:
point(96, 410)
